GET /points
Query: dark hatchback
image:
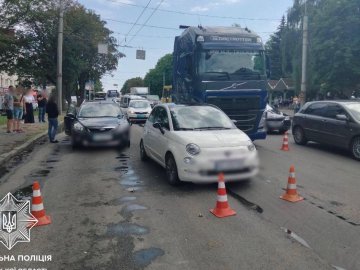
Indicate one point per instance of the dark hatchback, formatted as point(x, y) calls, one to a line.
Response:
point(329, 122)
point(97, 123)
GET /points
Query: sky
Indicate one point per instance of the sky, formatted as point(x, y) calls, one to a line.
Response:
point(261, 16)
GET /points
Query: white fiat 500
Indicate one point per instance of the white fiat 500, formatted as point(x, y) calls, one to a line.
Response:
point(196, 143)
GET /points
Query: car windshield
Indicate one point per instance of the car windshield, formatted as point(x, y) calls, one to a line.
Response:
point(354, 108)
point(232, 64)
point(93, 110)
point(139, 104)
point(199, 118)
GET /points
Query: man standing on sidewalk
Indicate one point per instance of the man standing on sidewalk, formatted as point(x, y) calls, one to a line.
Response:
point(53, 113)
point(42, 107)
point(9, 106)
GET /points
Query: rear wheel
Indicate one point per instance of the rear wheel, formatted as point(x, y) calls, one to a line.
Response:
point(355, 148)
point(299, 135)
point(171, 170)
point(143, 154)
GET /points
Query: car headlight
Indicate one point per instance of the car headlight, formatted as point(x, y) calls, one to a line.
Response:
point(193, 149)
point(251, 147)
point(131, 111)
point(78, 127)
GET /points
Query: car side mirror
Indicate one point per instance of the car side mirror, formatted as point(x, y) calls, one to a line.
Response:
point(234, 121)
point(342, 117)
point(71, 115)
point(158, 126)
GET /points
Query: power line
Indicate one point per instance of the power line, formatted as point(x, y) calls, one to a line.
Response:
point(137, 20)
point(147, 20)
point(150, 26)
point(194, 14)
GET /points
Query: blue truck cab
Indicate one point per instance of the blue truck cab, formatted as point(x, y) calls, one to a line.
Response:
point(226, 67)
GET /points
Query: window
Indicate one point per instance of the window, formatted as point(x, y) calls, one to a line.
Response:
point(332, 110)
point(151, 118)
point(318, 109)
point(162, 117)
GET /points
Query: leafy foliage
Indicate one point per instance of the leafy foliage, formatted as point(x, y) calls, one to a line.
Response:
point(133, 82)
point(154, 78)
point(31, 50)
point(334, 46)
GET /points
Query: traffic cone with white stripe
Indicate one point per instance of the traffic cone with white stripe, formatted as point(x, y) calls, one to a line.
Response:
point(222, 208)
point(37, 207)
point(291, 194)
point(285, 145)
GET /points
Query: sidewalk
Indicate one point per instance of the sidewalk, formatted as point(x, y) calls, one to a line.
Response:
point(11, 143)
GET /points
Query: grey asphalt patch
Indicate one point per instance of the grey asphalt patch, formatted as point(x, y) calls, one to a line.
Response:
point(144, 257)
point(124, 229)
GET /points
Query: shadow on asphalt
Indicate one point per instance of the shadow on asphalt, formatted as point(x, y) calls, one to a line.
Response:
point(329, 149)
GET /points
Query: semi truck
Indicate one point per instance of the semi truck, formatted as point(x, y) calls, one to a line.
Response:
point(226, 67)
point(139, 91)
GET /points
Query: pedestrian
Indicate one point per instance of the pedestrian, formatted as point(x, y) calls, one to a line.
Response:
point(53, 113)
point(29, 109)
point(9, 107)
point(18, 109)
point(42, 107)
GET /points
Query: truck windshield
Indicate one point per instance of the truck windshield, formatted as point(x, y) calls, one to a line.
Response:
point(231, 64)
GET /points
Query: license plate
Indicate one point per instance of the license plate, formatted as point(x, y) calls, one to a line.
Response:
point(102, 137)
point(229, 165)
point(141, 116)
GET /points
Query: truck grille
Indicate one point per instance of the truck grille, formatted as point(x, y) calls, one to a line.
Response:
point(242, 109)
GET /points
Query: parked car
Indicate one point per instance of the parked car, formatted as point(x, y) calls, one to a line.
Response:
point(276, 120)
point(97, 123)
point(196, 143)
point(330, 122)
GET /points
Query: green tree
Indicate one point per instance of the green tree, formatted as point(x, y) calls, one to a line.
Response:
point(154, 78)
point(98, 86)
point(133, 82)
point(36, 39)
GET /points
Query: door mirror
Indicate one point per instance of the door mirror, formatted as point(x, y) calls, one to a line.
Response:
point(71, 115)
point(157, 125)
point(234, 121)
point(341, 117)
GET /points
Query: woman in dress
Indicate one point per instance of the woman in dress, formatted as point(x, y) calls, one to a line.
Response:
point(29, 99)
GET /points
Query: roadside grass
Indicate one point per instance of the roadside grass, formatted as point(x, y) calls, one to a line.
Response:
point(3, 118)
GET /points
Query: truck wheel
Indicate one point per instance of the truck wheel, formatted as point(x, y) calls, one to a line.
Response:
point(355, 148)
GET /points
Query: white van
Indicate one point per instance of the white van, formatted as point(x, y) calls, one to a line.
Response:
point(125, 100)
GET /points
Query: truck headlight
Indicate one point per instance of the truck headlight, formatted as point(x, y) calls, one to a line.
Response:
point(193, 149)
point(78, 127)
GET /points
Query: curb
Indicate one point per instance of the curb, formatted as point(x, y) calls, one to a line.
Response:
point(25, 146)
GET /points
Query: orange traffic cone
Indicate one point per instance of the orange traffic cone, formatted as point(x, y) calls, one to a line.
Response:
point(222, 208)
point(37, 207)
point(285, 145)
point(291, 194)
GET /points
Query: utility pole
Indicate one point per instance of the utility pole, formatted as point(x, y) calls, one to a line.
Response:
point(163, 79)
point(60, 55)
point(304, 57)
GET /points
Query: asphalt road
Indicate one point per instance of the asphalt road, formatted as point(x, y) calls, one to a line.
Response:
point(111, 211)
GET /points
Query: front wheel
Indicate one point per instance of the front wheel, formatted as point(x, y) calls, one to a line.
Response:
point(299, 136)
point(355, 148)
point(171, 171)
point(143, 155)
